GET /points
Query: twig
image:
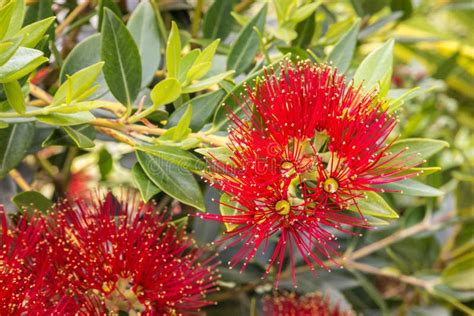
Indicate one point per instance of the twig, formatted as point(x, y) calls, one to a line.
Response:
point(40, 93)
point(70, 18)
point(196, 18)
point(18, 178)
point(243, 5)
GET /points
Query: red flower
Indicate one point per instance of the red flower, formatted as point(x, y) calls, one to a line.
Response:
point(307, 147)
point(127, 257)
point(26, 275)
point(289, 304)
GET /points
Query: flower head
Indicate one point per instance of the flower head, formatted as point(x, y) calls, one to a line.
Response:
point(290, 304)
point(124, 256)
point(27, 279)
point(305, 150)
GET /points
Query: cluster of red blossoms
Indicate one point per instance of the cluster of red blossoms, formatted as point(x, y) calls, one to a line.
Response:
point(108, 256)
point(304, 150)
point(290, 304)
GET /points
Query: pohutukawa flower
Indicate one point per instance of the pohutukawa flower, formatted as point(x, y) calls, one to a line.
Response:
point(290, 304)
point(130, 258)
point(26, 276)
point(305, 150)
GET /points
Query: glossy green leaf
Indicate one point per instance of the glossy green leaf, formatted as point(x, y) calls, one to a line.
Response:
point(412, 187)
point(415, 150)
point(60, 137)
point(122, 69)
point(375, 68)
point(80, 139)
point(208, 53)
point(66, 119)
point(459, 274)
point(75, 86)
point(106, 163)
point(144, 29)
point(146, 187)
point(374, 205)
point(342, 53)
point(203, 108)
point(175, 155)
point(218, 22)
point(12, 150)
point(24, 61)
point(198, 71)
point(186, 63)
point(222, 154)
point(166, 91)
point(206, 83)
point(84, 54)
point(6, 11)
point(8, 49)
point(33, 33)
point(177, 182)
point(173, 51)
point(228, 207)
point(32, 201)
point(183, 125)
point(305, 30)
point(15, 96)
point(245, 47)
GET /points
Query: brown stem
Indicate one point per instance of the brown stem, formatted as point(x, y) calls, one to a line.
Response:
point(40, 93)
point(18, 178)
point(71, 17)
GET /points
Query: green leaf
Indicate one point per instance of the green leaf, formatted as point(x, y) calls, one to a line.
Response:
point(15, 141)
point(207, 55)
point(105, 163)
point(173, 51)
point(222, 154)
point(24, 61)
point(80, 139)
point(415, 150)
point(6, 11)
point(412, 187)
point(32, 201)
point(175, 181)
point(202, 106)
point(83, 106)
point(218, 22)
point(15, 96)
point(374, 205)
point(33, 33)
point(186, 63)
point(72, 90)
point(305, 30)
point(175, 155)
point(146, 187)
point(304, 11)
point(122, 69)
point(183, 124)
point(228, 207)
point(144, 29)
point(198, 71)
point(246, 46)
point(17, 18)
point(375, 68)
point(371, 291)
point(60, 137)
point(166, 91)
point(66, 119)
point(206, 83)
point(85, 54)
point(8, 49)
point(3, 124)
point(342, 53)
point(459, 274)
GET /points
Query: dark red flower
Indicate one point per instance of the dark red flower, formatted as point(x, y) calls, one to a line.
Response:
point(26, 276)
point(306, 149)
point(128, 257)
point(290, 304)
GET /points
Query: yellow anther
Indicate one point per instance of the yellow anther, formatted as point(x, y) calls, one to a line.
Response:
point(330, 185)
point(283, 207)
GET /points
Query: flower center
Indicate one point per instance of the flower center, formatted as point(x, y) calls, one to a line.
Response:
point(330, 185)
point(283, 207)
point(121, 297)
